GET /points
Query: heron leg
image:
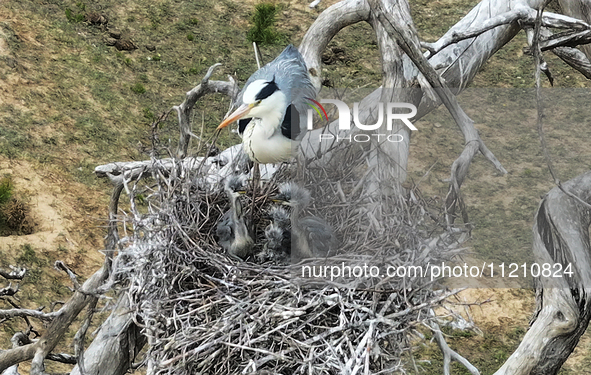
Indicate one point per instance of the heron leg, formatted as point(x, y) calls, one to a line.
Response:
point(256, 176)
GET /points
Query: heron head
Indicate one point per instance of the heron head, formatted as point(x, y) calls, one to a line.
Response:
point(280, 216)
point(235, 185)
point(291, 194)
point(274, 234)
point(260, 98)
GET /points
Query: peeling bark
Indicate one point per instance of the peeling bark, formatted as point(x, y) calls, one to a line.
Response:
point(116, 345)
point(561, 235)
point(580, 9)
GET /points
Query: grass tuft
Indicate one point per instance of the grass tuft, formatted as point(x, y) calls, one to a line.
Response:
point(76, 17)
point(138, 88)
point(6, 188)
point(15, 217)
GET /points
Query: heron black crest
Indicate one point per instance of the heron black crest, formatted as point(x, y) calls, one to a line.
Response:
point(268, 90)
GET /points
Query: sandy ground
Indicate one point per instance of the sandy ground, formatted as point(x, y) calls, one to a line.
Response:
point(60, 217)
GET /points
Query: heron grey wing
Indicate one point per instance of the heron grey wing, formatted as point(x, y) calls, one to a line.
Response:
point(293, 78)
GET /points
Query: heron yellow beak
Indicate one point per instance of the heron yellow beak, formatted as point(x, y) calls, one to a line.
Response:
point(236, 115)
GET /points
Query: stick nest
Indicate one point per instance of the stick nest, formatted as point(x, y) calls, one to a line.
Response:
point(207, 313)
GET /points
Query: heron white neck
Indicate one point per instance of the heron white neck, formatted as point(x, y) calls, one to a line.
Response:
point(274, 110)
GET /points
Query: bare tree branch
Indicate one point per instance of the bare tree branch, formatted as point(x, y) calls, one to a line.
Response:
point(206, 86)
point(9, 290)
point(580, 9)
point(116, 345)
point(326, 26)
point(408, 41)
point(62, 358)
point(81, 335)
point(15, 273)
point(59, 325)
point(573, 57)
point(21, 313)
point(448, 353)
point(458, 35)
point(61, 266)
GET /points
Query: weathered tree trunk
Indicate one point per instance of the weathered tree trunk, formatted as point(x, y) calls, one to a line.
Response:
point(117, 344)
point(561, 235)
point(580, 9)
point(457, 63)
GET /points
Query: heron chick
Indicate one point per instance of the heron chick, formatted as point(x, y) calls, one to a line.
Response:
point(272, 108)
point(278, 236)
point(232, 230)
point(311, 235)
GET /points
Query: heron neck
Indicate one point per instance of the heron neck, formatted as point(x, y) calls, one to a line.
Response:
point(301, 238)
point(295, 216)
point(274, 117)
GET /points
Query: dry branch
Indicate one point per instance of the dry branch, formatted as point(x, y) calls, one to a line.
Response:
point(573, 57)
point(58, 326)
point(449, 354)
point(580, 9)
point(21, 313)
point(206, 86)
point(525, 16)
point(15, 273)
point(408, 40)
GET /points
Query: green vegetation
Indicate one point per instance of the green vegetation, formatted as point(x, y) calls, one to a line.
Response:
point(263, 29)
point(138, 88)
point(6, 187)
point(76, 16)
point(14, 212)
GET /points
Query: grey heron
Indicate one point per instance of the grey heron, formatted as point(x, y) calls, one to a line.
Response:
point(272, 108)
point(311, 236)
point(232, 231)
point(278, 235)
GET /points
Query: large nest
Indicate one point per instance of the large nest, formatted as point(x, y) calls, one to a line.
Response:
point(205, 312)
